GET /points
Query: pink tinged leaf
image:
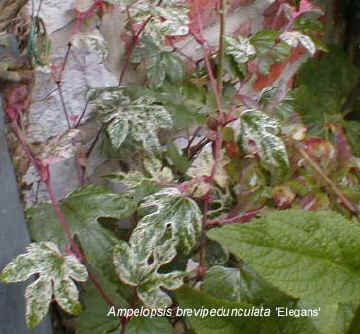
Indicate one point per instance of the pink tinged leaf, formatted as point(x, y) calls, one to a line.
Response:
point(305, 5)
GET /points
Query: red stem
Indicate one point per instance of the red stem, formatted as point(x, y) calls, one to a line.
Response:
point(131, 48)
point(43, 170)
point(201, 40)
point(239, 219)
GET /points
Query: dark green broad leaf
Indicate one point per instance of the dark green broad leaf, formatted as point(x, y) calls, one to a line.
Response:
point(98, 317)
point(242, 285)
point(323, 86)
point(260, 135)
point(149, 325)
point(82, 209)
point(280, 245)
point(55, 280)
point(237, 318)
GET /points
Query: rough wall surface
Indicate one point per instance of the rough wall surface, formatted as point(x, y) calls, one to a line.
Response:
point(47, 125)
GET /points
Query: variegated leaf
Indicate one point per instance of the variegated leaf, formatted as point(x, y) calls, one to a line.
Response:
point(91, 41)
point(139, 119)
point(239, 48)
point(136, 268)
point(260, 136)
point(203, 165)
point(56, 274)
point(293, 38)
point(174, 213)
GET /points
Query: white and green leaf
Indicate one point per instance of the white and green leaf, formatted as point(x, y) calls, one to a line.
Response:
point(139, 119)
point(293, 38)
point(56, 274)
point(82, 209)
point(260, 136)
point(239, 48)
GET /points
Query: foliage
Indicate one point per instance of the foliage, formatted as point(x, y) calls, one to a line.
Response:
point(56, 275)
point(231, 197)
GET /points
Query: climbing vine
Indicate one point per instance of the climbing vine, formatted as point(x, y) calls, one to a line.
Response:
point(246, 189)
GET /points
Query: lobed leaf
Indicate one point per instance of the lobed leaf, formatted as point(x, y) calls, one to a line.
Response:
point(82, 209)
point(259, 135)
point(139, 119)
point(56, 274)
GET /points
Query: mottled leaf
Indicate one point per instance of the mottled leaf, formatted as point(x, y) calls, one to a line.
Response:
point(203, 165)
point(174, 212)
point(82, 209)
point(260, 135)
point(138, 269)
point(139, 119)
point(56, 274)
point(293, 38)
point(92, 42)
point(240, 48)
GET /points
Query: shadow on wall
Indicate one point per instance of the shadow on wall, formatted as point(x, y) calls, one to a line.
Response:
point(13, 240)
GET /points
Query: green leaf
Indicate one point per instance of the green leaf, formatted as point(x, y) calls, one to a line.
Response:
point(189, 298)
point(56, 275)
point(242, 285)
point(98, 317)
point(174, 66)
point(259, 135)
point(139, 119)
point(280, 245)
point(264, 40)
point(181, 163)
point(82, 209)
point(323, 86)
point(268, 51)
point(352, 129)
point(145, 325)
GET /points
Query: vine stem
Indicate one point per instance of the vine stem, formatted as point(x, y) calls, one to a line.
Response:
point(43, 170)
point(199, 37)
point(330, 183)
point(222, 11)
point(131, 48)
point(239, 219)
point(201, 270)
